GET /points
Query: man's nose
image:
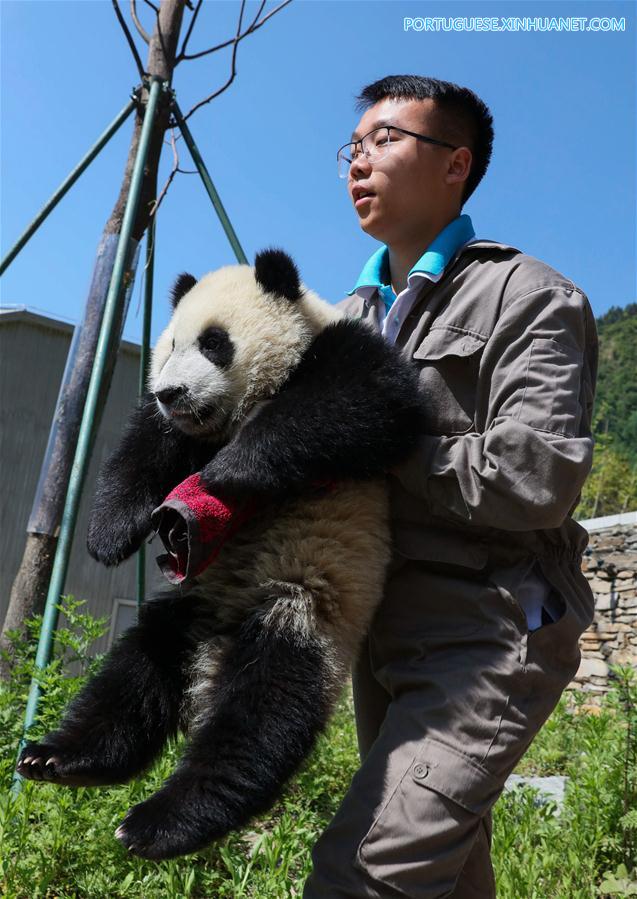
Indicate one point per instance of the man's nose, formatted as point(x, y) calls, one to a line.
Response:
point(359, 167)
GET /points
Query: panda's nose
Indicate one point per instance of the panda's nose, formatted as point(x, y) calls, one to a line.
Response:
point(168, 395)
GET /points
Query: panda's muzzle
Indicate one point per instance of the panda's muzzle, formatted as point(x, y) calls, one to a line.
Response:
point(170, 395)
point(176, 403)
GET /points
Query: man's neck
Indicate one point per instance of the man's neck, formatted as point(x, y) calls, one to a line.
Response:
point(403, 256)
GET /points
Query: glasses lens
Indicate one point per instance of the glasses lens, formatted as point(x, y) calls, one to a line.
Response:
point(376, 143)
point(344, 158)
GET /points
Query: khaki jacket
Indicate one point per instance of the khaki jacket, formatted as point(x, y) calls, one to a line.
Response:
point(507, 352)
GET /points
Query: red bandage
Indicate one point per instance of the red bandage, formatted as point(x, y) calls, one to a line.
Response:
point(193, 526)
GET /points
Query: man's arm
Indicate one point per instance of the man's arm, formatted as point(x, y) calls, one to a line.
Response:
point(528, 467)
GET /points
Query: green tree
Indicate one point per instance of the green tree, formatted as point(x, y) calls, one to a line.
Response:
point(612, 484)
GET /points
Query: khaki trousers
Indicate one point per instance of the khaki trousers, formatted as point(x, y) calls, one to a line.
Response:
point(450, 689)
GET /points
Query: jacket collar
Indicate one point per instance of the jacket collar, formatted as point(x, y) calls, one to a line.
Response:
point(434, 260)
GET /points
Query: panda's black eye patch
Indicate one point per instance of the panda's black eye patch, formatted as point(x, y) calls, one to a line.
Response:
point(216, 346)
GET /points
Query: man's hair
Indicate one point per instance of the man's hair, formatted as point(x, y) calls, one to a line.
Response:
point(460, 115)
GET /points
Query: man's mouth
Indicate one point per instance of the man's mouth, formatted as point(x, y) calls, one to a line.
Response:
point(360, 195)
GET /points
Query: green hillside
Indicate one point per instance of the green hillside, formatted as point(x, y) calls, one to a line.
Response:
point(612, 485)
point(616, 401)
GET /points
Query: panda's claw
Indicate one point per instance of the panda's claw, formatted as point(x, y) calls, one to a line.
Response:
point(123, 838)
point(66, 766)
point(170, 823)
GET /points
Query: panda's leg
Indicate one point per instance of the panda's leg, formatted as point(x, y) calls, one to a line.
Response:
point(118, 723)
point(276, 687)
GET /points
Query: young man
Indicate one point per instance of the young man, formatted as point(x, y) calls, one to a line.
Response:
point(477, 635)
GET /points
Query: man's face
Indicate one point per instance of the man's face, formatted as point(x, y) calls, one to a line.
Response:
point(410, 186)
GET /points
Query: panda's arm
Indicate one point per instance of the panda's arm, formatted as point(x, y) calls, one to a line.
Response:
point(151, 459)
point(351, 409)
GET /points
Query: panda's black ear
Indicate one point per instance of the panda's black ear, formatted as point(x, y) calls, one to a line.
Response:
point(180, 288)
point(277, 274)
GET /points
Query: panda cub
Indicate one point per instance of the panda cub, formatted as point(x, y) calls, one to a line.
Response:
point(249, 658)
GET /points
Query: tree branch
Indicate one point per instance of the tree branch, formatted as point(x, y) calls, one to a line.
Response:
point(193, 19)
point(254, 25)
point(129, 38)
point(138, 25)
point(174, 171)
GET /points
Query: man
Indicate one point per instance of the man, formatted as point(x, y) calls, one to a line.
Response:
point(477, 635)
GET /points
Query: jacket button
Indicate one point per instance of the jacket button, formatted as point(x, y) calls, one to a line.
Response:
point(421, 771)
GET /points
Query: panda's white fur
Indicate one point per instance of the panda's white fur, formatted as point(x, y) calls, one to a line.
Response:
point(250, 656)
point(269, 338)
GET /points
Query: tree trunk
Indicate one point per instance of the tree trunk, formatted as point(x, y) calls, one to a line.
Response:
point(29, 591)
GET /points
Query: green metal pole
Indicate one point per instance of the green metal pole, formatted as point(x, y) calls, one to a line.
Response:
point(68, 183)
point(144, 359)
point(80, 462)
point(207, 181)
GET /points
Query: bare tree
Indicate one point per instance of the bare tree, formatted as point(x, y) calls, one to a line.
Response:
point(28, 594)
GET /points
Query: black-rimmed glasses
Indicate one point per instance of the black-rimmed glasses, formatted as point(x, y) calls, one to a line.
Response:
point(376, 144)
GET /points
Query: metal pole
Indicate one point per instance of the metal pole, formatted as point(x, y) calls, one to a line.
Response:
point(207, 181)
point(144, 359)
point(80, 462)
point(68, 183)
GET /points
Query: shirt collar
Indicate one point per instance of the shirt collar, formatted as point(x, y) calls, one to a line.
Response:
point(433, 261)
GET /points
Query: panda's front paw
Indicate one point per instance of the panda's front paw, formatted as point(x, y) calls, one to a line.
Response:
point(110, 541)
point(175, 821)
point(239, 475)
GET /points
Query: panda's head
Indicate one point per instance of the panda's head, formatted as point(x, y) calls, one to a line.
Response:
point(233, 339)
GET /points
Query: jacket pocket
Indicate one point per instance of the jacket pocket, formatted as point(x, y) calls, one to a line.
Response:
point(448, 359)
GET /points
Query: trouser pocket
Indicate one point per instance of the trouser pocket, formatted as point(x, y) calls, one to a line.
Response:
point(424, 832)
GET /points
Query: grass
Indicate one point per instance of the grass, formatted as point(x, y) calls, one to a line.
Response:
point(59, 844)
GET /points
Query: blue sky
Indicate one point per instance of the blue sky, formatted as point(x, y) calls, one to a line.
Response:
point(561, 185)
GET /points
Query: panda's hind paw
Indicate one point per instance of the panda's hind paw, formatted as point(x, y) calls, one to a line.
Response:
point(175, 821)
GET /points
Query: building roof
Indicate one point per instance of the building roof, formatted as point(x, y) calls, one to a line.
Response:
point(38, 318)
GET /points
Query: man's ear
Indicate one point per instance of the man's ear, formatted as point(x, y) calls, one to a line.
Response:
point(277, 274)
point(180, 288)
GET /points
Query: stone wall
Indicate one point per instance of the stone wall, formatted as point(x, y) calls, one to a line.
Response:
point(610, 565)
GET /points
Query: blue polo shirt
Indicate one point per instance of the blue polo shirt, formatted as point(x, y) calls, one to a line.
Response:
point(374, 281)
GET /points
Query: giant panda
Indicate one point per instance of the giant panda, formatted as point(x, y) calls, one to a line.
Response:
point(270, 393)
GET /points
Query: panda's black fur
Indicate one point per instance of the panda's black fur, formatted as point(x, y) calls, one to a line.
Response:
point(280, 395)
